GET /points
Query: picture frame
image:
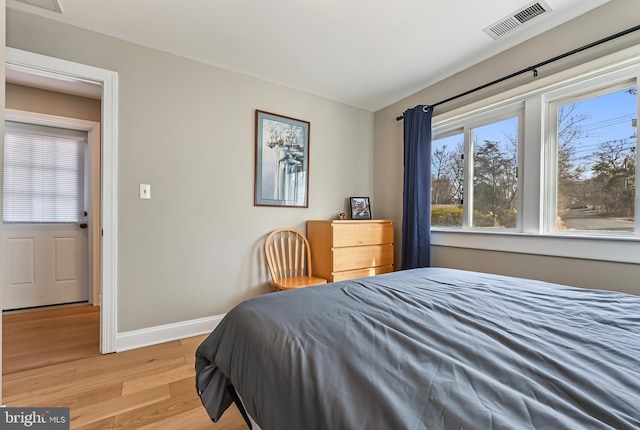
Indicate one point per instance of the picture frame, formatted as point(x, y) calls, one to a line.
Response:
point(360, 208)
point(281, 161)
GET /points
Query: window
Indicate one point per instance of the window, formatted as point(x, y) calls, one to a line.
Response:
point(495, 174)
point(595, 160)
point(43, 174)
point(549, 169)
point(447, 181)
point(483, 192)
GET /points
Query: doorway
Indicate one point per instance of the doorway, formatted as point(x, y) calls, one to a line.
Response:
point(63, 71)
point(50, 224)
point(51, 203)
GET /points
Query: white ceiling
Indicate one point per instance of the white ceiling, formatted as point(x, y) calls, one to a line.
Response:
point(365, 53)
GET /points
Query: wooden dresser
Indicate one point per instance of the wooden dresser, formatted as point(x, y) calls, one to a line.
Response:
point(349, 249)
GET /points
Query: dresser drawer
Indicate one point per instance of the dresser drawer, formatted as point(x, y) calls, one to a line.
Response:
point(362, 257)
point(361, 273)
point(349, 249)
point(370, 233)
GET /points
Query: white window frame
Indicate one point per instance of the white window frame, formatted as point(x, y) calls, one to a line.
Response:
point(575, 93)
point(465, 126)
point(534, 236)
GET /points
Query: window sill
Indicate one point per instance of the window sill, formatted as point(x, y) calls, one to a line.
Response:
point(618, 249)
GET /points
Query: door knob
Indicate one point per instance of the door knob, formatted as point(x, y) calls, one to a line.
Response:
point(83, 225)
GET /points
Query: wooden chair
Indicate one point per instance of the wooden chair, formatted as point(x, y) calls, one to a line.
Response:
point(289, 260)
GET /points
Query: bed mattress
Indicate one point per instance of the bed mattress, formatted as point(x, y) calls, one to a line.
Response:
point(429, 349)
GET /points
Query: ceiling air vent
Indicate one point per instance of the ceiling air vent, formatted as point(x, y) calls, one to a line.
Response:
point(52, 5)
point(517, 19)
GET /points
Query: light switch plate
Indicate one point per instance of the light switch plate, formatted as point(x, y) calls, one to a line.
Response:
point(145, 191)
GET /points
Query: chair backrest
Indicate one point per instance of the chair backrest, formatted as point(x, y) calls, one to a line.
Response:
point(288, 254)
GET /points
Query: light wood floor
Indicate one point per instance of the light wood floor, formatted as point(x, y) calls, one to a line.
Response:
point(37, 338)
point(147, 388)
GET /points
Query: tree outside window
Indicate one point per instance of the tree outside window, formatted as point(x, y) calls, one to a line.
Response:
point(495, 174)
point(447, 169)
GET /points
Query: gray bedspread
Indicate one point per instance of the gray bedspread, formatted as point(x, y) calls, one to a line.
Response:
point(430, 349)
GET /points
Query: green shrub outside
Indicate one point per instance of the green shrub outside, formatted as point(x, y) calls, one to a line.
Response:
point(446, 216)
point(451, 216)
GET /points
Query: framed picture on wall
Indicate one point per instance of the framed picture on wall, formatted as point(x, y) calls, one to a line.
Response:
point(282, 161)
point(360, 208)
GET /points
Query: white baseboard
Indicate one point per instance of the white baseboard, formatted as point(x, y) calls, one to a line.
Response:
point(165, 333)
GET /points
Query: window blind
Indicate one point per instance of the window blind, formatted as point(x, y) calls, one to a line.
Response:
point(43, 173)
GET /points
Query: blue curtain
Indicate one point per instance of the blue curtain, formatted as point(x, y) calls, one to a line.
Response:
point(416, 205)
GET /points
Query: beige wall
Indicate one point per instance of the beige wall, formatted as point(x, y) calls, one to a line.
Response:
point(569, 271)
point(613, 17)
point(51, 103)
point(194, 249)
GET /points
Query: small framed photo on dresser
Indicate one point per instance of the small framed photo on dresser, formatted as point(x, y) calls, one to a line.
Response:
point(360, 208)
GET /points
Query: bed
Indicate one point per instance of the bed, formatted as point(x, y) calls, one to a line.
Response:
point(428, 348)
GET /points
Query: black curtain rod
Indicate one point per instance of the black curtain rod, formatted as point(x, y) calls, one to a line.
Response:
point(534, 67)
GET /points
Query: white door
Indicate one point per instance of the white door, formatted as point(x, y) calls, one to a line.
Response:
point(44, 236)
point(46, 264)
